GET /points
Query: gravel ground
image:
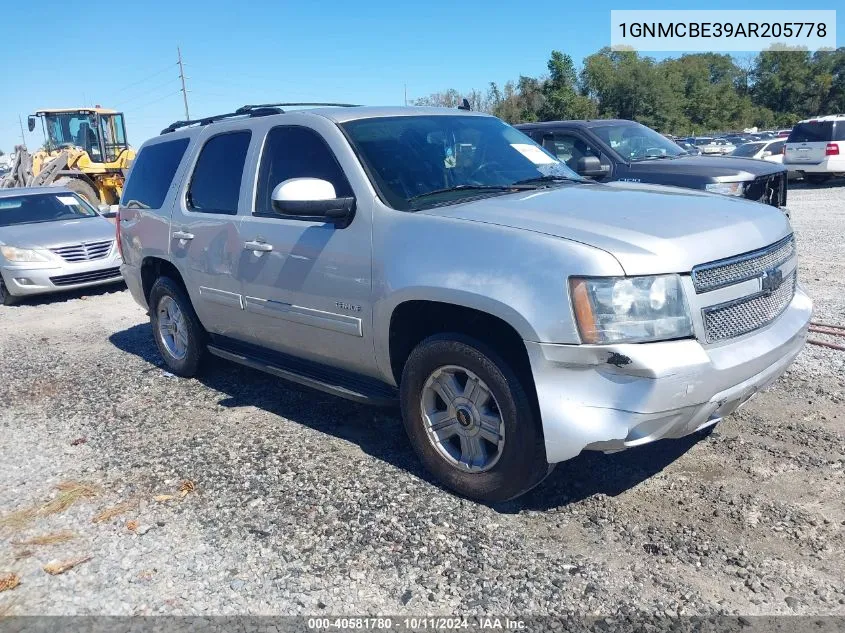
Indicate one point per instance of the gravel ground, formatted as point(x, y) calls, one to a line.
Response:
point(305, 504)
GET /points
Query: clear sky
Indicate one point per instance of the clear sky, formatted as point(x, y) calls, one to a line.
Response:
point(123, 54)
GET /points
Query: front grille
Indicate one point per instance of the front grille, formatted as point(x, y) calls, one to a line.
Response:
point(84, 252)
point(83, 278)
point(769, 189)
point(744, 315)
point(734, 270)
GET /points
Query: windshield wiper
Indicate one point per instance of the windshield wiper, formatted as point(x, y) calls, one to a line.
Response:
point(513, 187)
point(661, 157)
point(550, 178)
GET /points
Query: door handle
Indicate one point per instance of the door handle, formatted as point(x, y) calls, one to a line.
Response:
point(182, 235)
point(258, 247)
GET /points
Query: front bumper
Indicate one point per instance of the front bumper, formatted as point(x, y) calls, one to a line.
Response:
point(611, 397)
point(39, 278)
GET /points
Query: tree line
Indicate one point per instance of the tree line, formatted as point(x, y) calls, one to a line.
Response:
point(691, 94)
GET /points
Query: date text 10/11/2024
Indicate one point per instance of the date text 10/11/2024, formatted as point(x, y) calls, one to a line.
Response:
point(416, 624)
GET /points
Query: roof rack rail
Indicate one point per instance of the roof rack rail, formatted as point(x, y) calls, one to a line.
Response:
point(247, 108)
point(257, 110)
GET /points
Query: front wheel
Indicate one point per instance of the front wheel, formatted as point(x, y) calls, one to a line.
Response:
point(177, 331)
point(470, 421)
point(6, 297)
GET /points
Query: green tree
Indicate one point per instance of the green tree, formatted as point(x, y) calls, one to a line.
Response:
point(782, 83)
point(560, 92)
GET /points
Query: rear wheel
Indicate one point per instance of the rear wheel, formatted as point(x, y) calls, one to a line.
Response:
point(79, 186)
point(177, 331)
point(817, 179)
point(470, 420)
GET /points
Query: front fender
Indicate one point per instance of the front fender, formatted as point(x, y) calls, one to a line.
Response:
point(516, 275)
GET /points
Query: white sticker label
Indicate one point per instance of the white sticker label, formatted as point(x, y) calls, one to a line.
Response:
point(69, 201)
point(533, 153)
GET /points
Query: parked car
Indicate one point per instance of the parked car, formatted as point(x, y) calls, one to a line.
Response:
point(614, 149)
point(52, 240)
point(768, 150)
point(737, 139)
point(518, 312)
point(784, 133)
point(816, 148)
point(688, 148)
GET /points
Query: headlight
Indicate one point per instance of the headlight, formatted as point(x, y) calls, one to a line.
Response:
point(14, 254)
point(726, 188)
point(630, 309)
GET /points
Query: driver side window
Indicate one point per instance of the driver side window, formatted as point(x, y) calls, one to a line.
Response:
point(569, 148)
point(296, 152)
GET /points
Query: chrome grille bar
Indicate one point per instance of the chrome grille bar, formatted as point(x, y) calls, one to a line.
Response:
point(747, 314)
point(726, 272)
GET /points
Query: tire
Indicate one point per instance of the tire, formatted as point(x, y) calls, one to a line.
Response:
point(79, 186)
point(6, 297)
point(186, 336)
point(817, 179)
point(518, 462)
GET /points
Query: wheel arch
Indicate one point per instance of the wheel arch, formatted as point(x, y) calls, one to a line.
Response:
point(154, 267)
point(413, 320)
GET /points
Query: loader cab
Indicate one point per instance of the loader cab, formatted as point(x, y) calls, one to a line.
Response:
point(100, 132)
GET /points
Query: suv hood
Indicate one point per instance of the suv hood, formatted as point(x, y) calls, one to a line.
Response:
point(707, 168)
point(61, 233)
point(649, 229)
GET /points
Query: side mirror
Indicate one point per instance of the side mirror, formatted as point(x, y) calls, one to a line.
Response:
point(30, 123)
point(590, 166)
point(765, 154)
point(312, 199)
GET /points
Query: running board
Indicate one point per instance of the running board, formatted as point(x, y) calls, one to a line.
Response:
point(327, 379)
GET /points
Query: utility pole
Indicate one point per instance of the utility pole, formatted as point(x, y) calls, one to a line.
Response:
point(406, 94)
point(182, 77)
point(20, 122)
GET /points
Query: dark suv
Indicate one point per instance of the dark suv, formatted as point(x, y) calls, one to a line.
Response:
point(616, 149)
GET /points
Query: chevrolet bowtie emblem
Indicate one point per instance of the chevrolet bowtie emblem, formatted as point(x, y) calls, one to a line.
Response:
point(771, 280)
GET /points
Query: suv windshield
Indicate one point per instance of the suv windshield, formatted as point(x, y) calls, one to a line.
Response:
point(417, 161)
point(635, 142)
point(813, 132)
point(43, 207)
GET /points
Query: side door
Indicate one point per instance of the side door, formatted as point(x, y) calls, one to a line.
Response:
point(306, 284)
point(570, 146)
point(204, 241)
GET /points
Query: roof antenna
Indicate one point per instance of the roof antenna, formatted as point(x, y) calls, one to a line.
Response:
point(464, 104)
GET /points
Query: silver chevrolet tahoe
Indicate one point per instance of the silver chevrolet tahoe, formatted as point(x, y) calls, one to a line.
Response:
point(518, 313)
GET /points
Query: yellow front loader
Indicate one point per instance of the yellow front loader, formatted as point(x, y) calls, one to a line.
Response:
point(85, 150)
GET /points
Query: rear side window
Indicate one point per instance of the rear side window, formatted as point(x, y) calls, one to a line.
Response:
point(296, 152)
point(813, 132)
point(776, 148)
point(152, 173)
point(839, 131)
point(749, 149)
point(216, 183)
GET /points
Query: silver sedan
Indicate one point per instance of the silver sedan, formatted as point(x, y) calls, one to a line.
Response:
point(52, 240)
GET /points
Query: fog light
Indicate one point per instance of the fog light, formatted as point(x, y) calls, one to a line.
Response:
point(24, 281)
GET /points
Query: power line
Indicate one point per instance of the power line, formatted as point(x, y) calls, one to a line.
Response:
point(147, 92)
point(144, 105)
point(147, 78)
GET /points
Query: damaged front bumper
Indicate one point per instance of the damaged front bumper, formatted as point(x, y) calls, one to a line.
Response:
point(611, 397)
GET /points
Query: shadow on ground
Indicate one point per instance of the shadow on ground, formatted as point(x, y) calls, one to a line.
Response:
point(379, 432)
point(833, 183)
point(67, 295)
